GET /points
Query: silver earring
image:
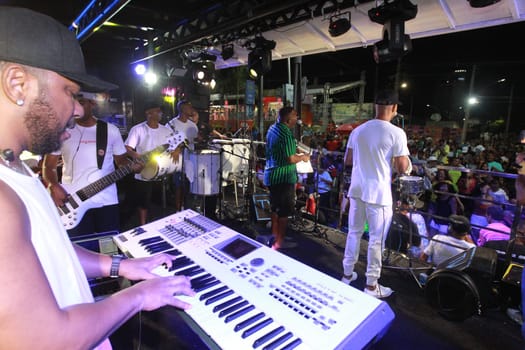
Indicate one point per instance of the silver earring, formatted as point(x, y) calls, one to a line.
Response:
point(20, 102)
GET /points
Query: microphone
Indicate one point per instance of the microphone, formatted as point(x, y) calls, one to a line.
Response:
point(299, 122)
point(399, 115)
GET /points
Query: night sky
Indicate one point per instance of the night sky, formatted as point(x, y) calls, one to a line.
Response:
point(429, 71)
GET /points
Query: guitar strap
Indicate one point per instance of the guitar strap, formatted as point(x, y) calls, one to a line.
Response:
point(102, 141)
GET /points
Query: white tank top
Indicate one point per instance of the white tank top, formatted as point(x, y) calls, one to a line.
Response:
point(52, 245)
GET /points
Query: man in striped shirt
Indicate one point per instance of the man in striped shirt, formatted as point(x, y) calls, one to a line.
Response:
point(280, 173)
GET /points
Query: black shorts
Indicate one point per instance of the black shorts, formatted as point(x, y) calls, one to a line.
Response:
point(282, 199)
point(142, 193)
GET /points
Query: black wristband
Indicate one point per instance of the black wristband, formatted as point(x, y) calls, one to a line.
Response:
point(115, 265)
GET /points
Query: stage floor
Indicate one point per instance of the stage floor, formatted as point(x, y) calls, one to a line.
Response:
point(416, 326)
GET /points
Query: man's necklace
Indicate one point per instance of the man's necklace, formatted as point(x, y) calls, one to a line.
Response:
point(8, 158)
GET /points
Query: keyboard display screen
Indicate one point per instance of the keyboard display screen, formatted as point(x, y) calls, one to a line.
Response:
point(238, 248)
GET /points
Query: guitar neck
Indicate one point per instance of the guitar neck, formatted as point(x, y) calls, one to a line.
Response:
point(97, 186)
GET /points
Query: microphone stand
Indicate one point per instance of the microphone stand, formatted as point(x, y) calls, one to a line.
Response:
point(316, 229)
point(411, 198)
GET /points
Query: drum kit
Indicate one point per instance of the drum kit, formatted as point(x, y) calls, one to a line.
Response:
point(209, 171)
point(221, 163)
point(202, 171)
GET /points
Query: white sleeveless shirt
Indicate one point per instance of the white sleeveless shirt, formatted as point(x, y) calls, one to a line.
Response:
point(55, 252)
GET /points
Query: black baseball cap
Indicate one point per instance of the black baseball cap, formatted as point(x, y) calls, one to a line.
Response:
point(460, 224)
point(34, 39)
point(387, 97)
point(151, 104)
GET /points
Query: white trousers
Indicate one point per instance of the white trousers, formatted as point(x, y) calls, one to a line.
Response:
point(379, 218)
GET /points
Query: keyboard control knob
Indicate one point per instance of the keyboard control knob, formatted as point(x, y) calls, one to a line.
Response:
point(257, 262)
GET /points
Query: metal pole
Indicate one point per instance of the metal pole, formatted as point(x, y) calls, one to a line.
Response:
point(298, 95)
point(362, 91)
point(509, 111)
point(467, 108)
point(260, 107)
point(289, 70)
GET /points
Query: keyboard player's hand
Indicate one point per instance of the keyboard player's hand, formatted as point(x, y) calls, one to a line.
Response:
point(141, 268)
point(162, 291)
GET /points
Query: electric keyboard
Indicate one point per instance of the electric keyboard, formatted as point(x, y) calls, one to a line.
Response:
point(252, 297)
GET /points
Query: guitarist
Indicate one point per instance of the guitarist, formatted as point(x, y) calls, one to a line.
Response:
point(80, 168)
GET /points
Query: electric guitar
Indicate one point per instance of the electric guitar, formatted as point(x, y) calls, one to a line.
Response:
point(79, 201)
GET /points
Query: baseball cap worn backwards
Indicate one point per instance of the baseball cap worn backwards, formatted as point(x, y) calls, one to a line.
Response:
point(34, 39)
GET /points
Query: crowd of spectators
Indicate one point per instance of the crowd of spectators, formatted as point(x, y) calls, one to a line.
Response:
point(457, 179)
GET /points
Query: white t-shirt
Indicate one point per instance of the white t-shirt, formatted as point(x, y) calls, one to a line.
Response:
point(439, 252)
point(80, 169)
point(374, 144)
point(188, 129)
point(143, 138)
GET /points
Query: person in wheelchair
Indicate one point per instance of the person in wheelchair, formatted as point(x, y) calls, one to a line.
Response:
point(442, 246)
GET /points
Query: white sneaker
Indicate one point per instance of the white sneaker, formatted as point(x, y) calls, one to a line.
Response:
point(346, 280)
point(380, 292)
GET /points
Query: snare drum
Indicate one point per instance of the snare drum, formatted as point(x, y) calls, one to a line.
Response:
point(411, 185)
point(237, 160)
point(202, 170)
point(159, 166)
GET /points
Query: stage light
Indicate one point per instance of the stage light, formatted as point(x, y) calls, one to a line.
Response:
point(150, 78)
point(482, 3)
point(392, 15)
point(339, 24)
point(140, 69)
point(260, 57)
point(259, 62)
point(383, 52)
point(227, 51)
point(203, 72)
point(398, 9)
point(201, 65)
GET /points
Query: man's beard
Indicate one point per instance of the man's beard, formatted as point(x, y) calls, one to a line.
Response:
point(44, 126)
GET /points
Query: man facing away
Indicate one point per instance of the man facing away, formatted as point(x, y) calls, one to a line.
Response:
point(280, 173)
point(46, 302)
point(374, 150)
point(80, 168)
